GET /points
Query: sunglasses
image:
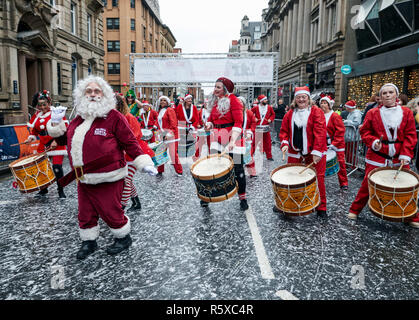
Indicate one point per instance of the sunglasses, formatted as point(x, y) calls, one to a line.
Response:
point(43, 104)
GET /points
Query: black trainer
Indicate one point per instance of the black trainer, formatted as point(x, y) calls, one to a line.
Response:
point(119, 245)
point(243, 205)
point(87, 248)
point(204, 204)
point(42, 193)
point(136, 204)
point(322, 213)
point(61, 193)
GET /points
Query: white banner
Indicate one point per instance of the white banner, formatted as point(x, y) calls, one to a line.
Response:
point(195, 70)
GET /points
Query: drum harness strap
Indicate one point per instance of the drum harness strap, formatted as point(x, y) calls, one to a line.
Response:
point(386, 156)
point(79, 171)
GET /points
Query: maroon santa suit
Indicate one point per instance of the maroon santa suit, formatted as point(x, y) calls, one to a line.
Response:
point(265, 115)
point(336, 140)
point(168, 125)
point(311, 136)
point(397, 144)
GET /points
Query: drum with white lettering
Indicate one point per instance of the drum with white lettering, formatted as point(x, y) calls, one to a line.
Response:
point(332, 164)
point(160, 153)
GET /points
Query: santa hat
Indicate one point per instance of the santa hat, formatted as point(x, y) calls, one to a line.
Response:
point(227, 83)
point(164, 98)
point(302, 90)
point(44, 95)
point(350, 104)
point(329, 100)
point(262, 98)
point(146, 103)
point(188, 96)
point(390, 85)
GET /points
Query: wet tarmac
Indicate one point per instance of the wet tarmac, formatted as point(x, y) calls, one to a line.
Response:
point(181, 251)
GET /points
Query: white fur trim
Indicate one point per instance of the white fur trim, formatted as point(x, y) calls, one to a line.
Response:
point(143, 161)
point(317, 153)
point(56, 131)
point(30, 125)
point(57, 153)
point(106, 177)
point(89, 234)
point(407, 158)
point(292, 155)
point(237, 129)
point(302, 92)
point(165, 98)
point(264, 99)
point(122, 232)
point(78, 140)
point(389, 85)
point(350, 107)
point(285, 142)
point(32, 137)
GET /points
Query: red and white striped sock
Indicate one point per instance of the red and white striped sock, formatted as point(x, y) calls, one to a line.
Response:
point(129, 189)
point(242, 196)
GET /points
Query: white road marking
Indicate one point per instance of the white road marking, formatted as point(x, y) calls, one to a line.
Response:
point(264, 265)
point(286, 295)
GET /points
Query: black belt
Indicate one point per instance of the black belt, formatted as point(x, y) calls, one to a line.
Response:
point(223, 126)
point(385, 156)
point(391, 142)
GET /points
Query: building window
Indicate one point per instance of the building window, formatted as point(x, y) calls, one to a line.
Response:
point(105, 3)
point(74, 70)
point(132, 2)
point(52, 3)
point(59, 80)
point(157, 45)
point(132, 46)
point(112, 23)
point(132, 24)
point(144, 33)
point(113, 46)
point(89, 27)
point(113, 68)
point(114, 3)
point(73, 11)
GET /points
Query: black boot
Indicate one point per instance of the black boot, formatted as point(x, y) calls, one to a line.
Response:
point(87, 248)
point(204, 204)
point(119, 245)
point(136, 204)
point(61, 193)
point(59, 173)
point(243, 205)
point(42, 193)
point(322, 213)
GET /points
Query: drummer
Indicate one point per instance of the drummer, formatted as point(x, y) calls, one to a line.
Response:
point(168, 130)
point(188, 118)
point(389, 133)
point(38, 126)
point(335, 137)
point(303, 136)
point(226, 120)
point(203, 116)
point(249, 126)
point(265, 115)
point(149, 119)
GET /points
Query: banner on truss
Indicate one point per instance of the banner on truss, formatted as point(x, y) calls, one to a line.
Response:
point(198, 70)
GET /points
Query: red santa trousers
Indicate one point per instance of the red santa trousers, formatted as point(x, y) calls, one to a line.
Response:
point(265, 145)
point(342, 175)
point(321, 170)
point(102, 200)
point(172, 148)
point(200, 144)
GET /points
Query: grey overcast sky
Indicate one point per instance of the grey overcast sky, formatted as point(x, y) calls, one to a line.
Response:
point(208, 26)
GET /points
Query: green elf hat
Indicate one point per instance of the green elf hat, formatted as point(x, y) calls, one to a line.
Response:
point(130, 93)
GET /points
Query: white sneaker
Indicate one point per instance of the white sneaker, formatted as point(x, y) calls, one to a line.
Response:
point(414, 224)
point(352, 216)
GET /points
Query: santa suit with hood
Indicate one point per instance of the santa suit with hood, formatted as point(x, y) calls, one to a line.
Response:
point(396, 128)
point(336, 140)
point(168, 126)
point(149, 120)
point(265, 115)
point(97, 140)
point(312, 124)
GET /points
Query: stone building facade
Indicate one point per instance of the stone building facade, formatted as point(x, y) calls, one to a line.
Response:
point(46, 45)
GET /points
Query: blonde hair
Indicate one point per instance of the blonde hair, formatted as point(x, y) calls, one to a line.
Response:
point(293, 104)
point(121, 105)
point(413, 103)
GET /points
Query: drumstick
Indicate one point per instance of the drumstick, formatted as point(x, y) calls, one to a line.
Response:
point(398, 171)
point(17, 144)
point(306, 168)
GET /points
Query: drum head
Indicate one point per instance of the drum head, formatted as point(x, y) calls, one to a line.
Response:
point(386, 179)
point(330, 154)
point(211, 166)
point(26, 160)
point(290, 175)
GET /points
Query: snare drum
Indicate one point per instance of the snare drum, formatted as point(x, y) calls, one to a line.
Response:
point(248, 155)
point(263, 129)
point(295, 194)
point(214, 178)
point(390, 199)
point(33, 173)
point(332, 164)
point(147, 134)
point(203, 133)
point(160, 153)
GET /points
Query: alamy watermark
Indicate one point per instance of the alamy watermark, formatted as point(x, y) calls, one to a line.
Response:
point(358, 278)
point(57, 277)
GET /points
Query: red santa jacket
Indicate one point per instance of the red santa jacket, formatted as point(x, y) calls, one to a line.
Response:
point(335, 131)
point(33, 119)
point(249, 123)
point(314, 134)
point(224, 124)
point(203, 117)
point(136, 130)
point(374, 129)
point(149, 119)
point(89, 140)
point(270, 115)
point(39, 129)
point(193, 120)
point(168, 124)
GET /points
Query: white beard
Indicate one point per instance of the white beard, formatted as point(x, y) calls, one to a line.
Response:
point(94, 108)
point(392, 117)
point(301, 117)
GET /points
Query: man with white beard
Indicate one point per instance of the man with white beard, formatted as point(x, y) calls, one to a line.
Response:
point(96, 140)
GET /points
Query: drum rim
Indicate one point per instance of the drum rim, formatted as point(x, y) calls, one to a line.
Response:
point(293, 186)
point(296, 214)
point(41, 158)
point(44, 186)
point(212, 177)
point(385, 188)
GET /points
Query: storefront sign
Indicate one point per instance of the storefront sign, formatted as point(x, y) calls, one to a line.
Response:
point(346, 69)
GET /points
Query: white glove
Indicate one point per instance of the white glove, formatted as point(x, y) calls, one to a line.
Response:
point(57, 114)
point(152, 171)
point(249, 135)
